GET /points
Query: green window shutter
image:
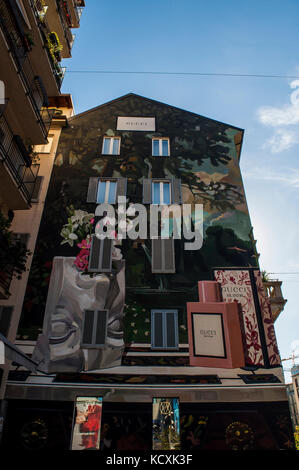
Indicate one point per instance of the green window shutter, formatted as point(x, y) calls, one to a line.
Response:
point(5, 319)
point(163, 257)
point(147, 191)
point(94, 328)
point(176, 191)
point(164, 329)
point(92, 189)
point(100, 257)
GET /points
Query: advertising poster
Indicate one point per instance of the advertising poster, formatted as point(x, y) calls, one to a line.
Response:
point(87, 423)
point(166, 424)
point(236, 286)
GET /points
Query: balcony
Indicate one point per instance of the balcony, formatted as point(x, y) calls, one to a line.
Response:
point(274, 294)
point(17, 174)
point(18, 46)
point(66, 21)
point(39, 12)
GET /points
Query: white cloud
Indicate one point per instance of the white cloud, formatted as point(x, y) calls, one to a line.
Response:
point(281, 119)
point(282, 139)
point(288, 177)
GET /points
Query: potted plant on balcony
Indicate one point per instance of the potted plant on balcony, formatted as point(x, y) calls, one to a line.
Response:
point(13, 255)
point(54, 46)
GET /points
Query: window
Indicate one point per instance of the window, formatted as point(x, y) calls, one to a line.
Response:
point(160, 147)
point(94, 330)
point(163, 257)
point(164, 329)
point(100, 257)
point(106, 191)
point(111, 146)
point(102, 190)
point(161, 192)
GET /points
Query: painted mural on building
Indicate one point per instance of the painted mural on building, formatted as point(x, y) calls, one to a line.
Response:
point(203, 154)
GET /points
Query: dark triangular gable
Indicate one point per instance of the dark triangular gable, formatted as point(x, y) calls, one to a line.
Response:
point(136, 105)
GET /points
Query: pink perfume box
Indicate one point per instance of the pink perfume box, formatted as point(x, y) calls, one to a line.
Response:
point(215, 338)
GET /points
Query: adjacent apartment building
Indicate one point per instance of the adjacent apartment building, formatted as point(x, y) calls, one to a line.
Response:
point(35, 35)
point(141, 342)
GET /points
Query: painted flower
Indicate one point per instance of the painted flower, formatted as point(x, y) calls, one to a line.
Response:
point(73, 236)
point(84, 244)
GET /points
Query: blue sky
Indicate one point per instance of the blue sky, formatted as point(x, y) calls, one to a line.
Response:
point(248, 37)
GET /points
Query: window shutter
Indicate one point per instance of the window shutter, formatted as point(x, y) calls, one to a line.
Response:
point(94, 328)
point(163, 258)
point(164, 329)
point(5, 319)
point(100, 257)
point(92, 189)
point(171, 330)
point(87, 330)
point(157, 329)
point(147, 191)
point(176, 191)
point(101, 327)
point(168, 255)
point(121, 188)
point(157, 265)
point(106, 255)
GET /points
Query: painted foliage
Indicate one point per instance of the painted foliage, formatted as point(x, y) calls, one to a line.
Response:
point(203, 155)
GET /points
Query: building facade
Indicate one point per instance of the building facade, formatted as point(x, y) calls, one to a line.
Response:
point(35, 35)
point(143, 342)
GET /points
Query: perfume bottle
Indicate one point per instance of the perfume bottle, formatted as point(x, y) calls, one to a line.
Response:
point(215, 338)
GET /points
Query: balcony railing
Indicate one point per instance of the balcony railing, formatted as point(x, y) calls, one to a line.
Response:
point(18, 47)
point(58, 71)
point(65, 21)
point(16, 158)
